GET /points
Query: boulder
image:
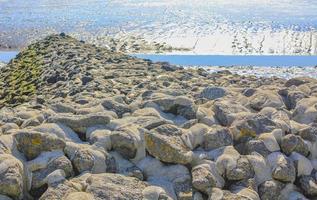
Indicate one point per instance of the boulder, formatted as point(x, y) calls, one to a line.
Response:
point(118, 108)
point(270, 142)
point(232, 165)
point(302, 164)
point(179, 105)
point(309, 185)
point(60, 163)
point(255, 145)
point(282, 167)
point(59, 130)
point(129, 142)
point(11, 176)
point(206, 176)
point(228, 111)
point(270, 190)
point(260, 167)
point(32, 143)
point(166, 148)
point(297, 81)
point(212, 93)
point(306, 111)
point(251, 126)
point(194, 136)
point(87, 158)
point(265, 98)
point(80, 123)
point(115, 186)
point(175, 179)
point(294, 143)
point(217, 137)
point(79, 196)
point(155, 193)
point(4, 129)
point(60, 190)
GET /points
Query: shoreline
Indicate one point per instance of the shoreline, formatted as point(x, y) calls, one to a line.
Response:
point(75, 118)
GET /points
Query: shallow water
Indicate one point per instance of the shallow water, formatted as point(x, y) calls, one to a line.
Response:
point(208, 27)
point(6, 56)
point(214, 60)
point(218, 60)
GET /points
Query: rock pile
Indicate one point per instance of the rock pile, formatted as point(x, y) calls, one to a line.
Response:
point(81, 122)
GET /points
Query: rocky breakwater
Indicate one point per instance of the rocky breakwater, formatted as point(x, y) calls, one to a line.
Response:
point(81, 122)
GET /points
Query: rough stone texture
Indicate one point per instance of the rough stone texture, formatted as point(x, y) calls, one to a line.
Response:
point(217, 137)
point(169, 149)
point(113, 186)
point(212, 93)
point(270, 190)
point(11, 176)
point(32, 143)
point(291, 143)
point(205, 177)
point(82, 122)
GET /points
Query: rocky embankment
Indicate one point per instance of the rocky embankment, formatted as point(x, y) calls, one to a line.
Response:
point(81, 122)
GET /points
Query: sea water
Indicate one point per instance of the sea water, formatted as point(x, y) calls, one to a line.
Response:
point(283, 27)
